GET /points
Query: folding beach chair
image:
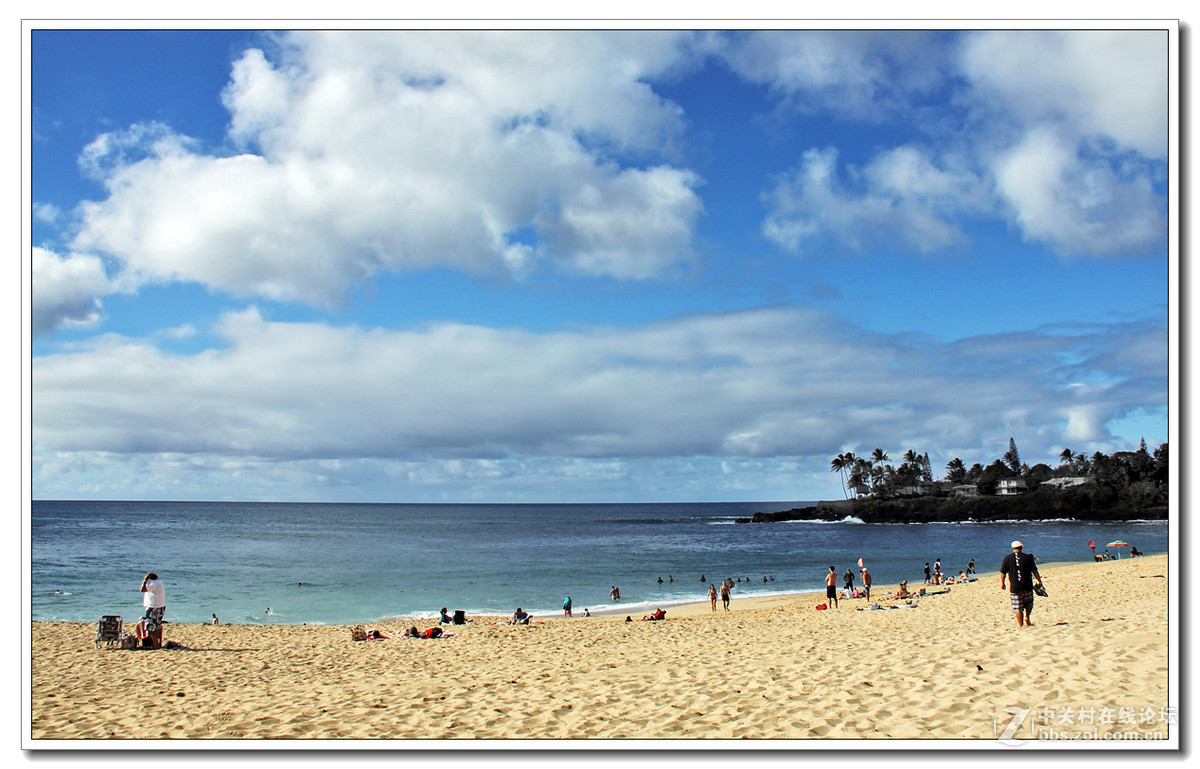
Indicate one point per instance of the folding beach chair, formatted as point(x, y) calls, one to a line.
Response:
point(109, 630)
point(460, 617)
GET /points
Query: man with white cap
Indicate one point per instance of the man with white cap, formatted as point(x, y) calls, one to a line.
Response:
point(1019, 571)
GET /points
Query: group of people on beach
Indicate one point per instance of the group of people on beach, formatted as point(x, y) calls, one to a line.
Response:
point(933, 576)
point(937, 577)
point(1018, 575)
point(848, 589)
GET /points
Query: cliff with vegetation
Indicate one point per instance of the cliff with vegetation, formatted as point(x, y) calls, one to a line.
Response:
point(1125, 486)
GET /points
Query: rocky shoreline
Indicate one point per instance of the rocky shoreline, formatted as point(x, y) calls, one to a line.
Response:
point(1031, 507)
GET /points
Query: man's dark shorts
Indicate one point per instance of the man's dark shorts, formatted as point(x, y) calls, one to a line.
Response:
point(153, 619)
point(1022, 600)
point(830, 591)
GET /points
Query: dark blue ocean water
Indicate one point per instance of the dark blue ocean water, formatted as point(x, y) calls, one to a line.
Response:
point(360, 563)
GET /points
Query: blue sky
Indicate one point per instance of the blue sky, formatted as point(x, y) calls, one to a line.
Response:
point(589, 266)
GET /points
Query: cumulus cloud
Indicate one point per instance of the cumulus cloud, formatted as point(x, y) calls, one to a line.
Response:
point(1066, 132)
point(1108, 84)
point(66, 290)
point(1079, 205)
point(903, 196)
point(1078, 134)
point(868, 75)
point(372, 152)
point(757, 384)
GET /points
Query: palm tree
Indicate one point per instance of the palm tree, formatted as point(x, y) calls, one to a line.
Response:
point(877, 476)
point(839, 465)
point(879, 456)
point(956, 472)
point(856, 478)
point(1066, 456)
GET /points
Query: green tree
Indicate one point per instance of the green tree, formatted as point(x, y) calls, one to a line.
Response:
point(956, 472)
point(1038, 474)
point(1162, 464)
point(1012, 458)
point(991, 475)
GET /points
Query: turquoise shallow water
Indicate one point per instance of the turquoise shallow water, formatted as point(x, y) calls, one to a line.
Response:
point(346, 563)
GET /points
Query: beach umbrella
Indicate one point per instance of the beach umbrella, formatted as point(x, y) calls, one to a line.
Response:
point(1118, 543)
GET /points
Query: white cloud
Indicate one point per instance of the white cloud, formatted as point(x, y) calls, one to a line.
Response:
point(66, 290)
point(1066, 133)
point(402, 407)
point(1076, 132)
point(903, 196)
point(46, 212)
point(868, 75)
point(1078, 205)
point(1109, 84)
point(372, 152)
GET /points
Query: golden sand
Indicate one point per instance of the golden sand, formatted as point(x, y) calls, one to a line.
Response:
point(1096, 660)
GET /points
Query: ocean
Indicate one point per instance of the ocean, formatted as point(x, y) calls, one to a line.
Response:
point(352, 563)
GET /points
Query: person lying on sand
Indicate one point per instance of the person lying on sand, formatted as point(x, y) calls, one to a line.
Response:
point(657, 615)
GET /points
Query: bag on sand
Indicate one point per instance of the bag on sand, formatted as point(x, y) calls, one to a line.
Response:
point(359, 633)
point(822, 607)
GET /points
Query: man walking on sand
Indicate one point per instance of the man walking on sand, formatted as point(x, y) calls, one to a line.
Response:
point(1019, 569)
point(831, 586)
point(154, 599)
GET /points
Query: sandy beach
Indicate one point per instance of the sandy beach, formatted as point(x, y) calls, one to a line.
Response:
point(1095, 663)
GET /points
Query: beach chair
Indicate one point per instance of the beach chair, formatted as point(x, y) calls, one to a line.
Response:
point(109, 631)
point(460, 617)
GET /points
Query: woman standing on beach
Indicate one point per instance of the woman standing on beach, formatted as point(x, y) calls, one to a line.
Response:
point(712, 596)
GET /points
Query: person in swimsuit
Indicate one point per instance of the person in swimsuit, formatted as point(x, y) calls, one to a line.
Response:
point(831, 586)
point(712, 596)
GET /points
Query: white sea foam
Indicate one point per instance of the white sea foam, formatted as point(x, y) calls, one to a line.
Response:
point(847, 519)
